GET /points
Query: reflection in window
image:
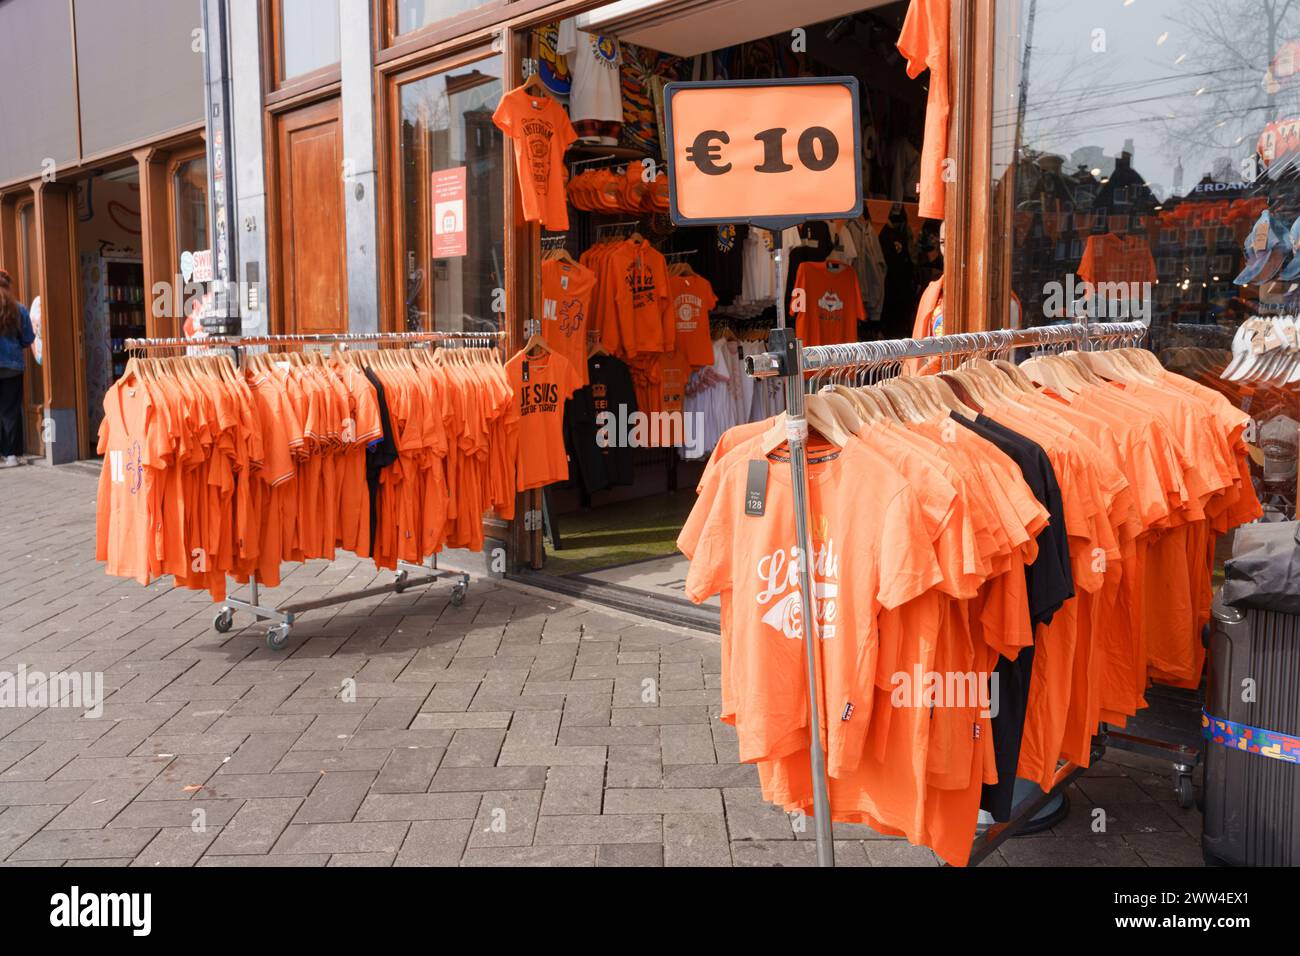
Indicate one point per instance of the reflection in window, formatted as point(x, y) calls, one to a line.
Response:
point(1152, 132)
point(413, 14)
point(446, 124)
point(309, 32)
point(190, 189)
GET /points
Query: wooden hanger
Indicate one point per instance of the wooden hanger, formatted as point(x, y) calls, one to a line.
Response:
point(536, 341)
point(844, 412)
point(534, 84)
point(1012, 371)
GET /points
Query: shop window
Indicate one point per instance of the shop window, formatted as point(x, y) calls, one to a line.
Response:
point(190, 206)
point(414, 14)
point(451, 271)
point(308, 36)
point(1167, 140)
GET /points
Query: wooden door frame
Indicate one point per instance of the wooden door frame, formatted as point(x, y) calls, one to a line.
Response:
point(389, 172)
point(14, 256)
point(275, 251)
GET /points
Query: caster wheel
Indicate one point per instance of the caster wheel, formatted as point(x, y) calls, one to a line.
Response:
point(458, 595)
point(224, 620)
point(1183, 789)
point(400, 583)
point(277, 635)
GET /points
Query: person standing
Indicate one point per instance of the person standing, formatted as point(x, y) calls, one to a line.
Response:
point(15, 335)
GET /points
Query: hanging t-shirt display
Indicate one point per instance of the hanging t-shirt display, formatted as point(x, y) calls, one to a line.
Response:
point(541, 132)
point(692, 299)
point(596, 96)
point(722, 259)
point(566, 305)
point(611, 393)
point(831, 303)
point(542, 384)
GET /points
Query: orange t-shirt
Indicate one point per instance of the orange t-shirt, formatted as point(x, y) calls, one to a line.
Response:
point(832, 303)
point(135, 441)
point(863, 560)
point(1112, 258)
point(924, 43)
point(542, 132)
point(692, 299)
point(541, 384)
point(566, 306)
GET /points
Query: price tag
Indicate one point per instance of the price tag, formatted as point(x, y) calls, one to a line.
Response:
point(768, 152)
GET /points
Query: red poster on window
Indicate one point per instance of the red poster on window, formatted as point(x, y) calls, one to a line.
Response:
point(448, 198)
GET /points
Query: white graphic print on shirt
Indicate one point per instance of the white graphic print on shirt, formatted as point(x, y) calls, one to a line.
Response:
point(779, 600)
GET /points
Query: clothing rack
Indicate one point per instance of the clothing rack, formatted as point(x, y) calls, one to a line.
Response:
point(788, 359)
point(408, 575)
point(608, 226)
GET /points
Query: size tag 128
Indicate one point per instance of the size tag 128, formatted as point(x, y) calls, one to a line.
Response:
point(756, 488)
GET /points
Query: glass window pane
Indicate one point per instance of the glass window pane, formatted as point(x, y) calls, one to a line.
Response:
point(1135, 147)
point(413, 14)
point(190, 187)
point(309, 31)
point(454, 273)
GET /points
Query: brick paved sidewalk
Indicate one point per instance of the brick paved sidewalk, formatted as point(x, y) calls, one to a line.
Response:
point(514, 730)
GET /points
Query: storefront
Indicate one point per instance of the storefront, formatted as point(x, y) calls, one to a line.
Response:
point(102, 193)
point(1050, 175)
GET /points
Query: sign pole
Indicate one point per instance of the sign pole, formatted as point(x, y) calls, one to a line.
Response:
point(774, 154)
point(783, 340)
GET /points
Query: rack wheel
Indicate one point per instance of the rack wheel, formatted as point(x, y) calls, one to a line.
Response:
point(1183, 790)
point(277, 635)
point(400, 584)
point(223, 620)
point(458, 594)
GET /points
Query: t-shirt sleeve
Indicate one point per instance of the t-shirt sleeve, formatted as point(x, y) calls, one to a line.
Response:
point(908, 565)
point(571, 382)
point(564, 132)
point(504, 117)
point(566, 40)
point(914, 39)
point(1088, 264)
point(710, 569)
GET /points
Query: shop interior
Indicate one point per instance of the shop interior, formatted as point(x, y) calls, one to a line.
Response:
point(112, 292)
point(618, 528)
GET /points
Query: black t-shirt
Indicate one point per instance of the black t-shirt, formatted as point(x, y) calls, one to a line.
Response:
point(1050, 584)
point(592, 465)
point(722, 259)
point(380, 454)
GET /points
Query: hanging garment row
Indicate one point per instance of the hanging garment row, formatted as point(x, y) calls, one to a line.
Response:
point(212, 470)
point(1001, 557)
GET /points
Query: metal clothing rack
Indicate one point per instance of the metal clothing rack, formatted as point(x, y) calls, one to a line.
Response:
point(787, 359)
point(408, 575)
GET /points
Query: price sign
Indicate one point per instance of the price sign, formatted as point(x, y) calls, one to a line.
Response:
point(769, 152)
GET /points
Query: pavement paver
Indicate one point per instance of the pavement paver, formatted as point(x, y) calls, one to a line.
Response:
point(516, 730)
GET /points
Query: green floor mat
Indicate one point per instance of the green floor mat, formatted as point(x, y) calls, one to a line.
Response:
point(611, 535)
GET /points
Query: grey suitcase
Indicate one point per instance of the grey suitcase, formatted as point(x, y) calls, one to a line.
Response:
point(1252, 802)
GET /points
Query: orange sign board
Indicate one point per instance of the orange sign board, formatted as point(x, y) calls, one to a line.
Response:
point(768, 152)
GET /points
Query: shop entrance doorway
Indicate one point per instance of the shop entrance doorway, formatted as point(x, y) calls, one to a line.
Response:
point(311, 244)
point(617, 534)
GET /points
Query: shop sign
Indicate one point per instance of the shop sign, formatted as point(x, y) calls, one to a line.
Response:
point(447, 196)
point(197, 266)
point(769, 152)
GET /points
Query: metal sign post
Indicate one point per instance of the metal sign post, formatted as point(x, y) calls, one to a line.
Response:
point(774, 154)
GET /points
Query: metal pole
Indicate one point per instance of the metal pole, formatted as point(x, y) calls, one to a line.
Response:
point(797, 437)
